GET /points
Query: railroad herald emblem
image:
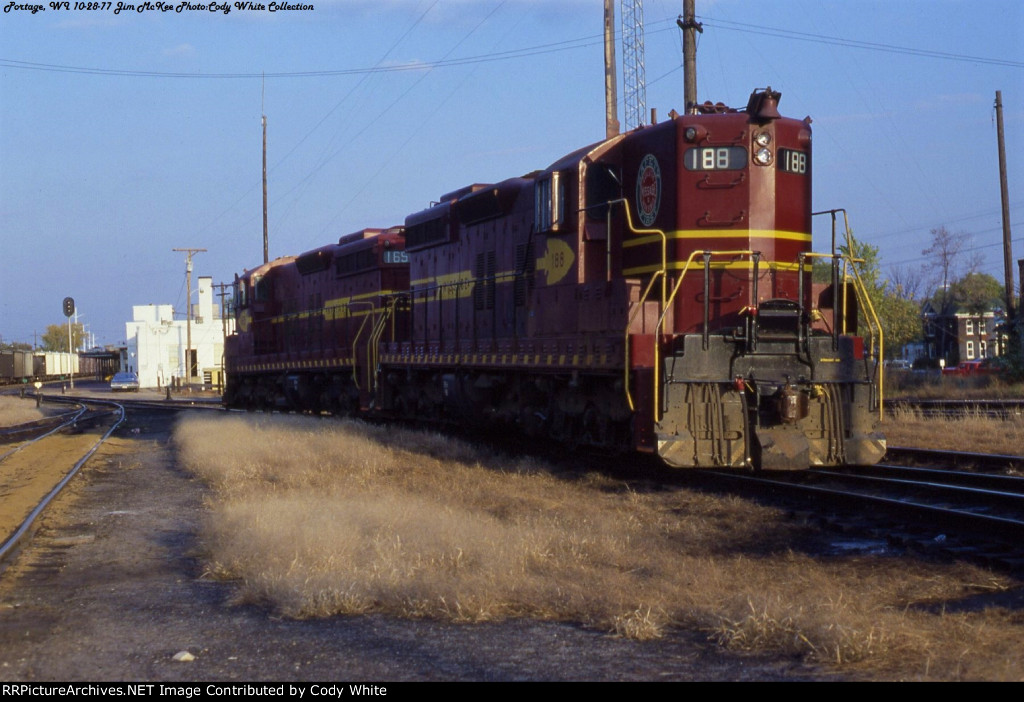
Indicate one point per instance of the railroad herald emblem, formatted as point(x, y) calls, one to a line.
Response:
point(648, 190)
point(556, 261)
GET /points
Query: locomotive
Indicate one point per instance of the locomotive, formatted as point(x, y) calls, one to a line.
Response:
point(649, 292)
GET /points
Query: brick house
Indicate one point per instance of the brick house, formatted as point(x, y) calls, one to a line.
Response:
point(960, 335)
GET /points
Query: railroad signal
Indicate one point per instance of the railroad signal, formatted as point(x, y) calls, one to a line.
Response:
point(69, 306)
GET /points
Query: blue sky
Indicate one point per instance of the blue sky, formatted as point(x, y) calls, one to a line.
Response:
point(124, 136)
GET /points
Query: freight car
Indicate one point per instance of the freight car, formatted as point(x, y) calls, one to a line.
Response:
point(25, 366)
point(648, 292)
point(16, 366)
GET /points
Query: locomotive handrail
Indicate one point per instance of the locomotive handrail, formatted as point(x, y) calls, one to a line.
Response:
point(661, 319)
point(706, 219)
point(706, 254)
point(862, 295)
point(664, 242)
point(373, 345)
point(689, 260)
point(355, 341)
point(804, 255)
point(861, 292)
point(709, 185)
point(663, 274)
point(636, 309)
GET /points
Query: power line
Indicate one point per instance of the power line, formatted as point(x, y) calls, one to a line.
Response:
point(567, 45)
point(525, 52)
point(966, 249)
point(854, 43)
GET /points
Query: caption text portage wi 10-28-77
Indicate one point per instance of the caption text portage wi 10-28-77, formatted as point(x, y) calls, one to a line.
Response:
point(173, 7)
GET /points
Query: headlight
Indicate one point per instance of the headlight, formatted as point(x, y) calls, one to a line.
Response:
point(763, 139)
point(695, 133)
point(763, 157)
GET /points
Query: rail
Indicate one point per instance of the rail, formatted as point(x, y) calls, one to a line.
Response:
point(9, 545)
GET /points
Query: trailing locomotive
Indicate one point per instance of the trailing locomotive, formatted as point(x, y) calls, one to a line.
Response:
point(649, 292)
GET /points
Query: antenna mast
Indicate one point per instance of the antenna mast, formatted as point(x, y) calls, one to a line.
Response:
point(266, 246)
point(634, 75)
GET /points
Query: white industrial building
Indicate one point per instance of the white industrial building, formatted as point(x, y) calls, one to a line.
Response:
point(156, 342)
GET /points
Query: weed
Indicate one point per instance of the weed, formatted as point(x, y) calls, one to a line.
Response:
point(316, 519)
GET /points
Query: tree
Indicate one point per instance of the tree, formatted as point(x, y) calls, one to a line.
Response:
point(897, 311)
point(944, 256)
point(901, 322)
point(978, 292)
point(56, 337)
point(906, 282)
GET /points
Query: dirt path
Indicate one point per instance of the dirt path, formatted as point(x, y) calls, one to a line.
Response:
point(111, 589)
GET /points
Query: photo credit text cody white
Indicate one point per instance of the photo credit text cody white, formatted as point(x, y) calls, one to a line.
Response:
point(193, 691)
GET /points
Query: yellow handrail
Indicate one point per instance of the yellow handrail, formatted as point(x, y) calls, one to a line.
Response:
point(373, 344)
point(355, 341)
point(662, 273)
point(865, 301)
point(671, 299)
point(636, 309)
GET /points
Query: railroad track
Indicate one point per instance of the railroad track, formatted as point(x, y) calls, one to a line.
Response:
point(1002, 409)
point(44, 460)
point(939, 508)
point(988, 462)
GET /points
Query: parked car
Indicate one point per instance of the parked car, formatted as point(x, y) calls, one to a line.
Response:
point(129, 382)
point(962, 368)
point(993, 366)
point(985, 366)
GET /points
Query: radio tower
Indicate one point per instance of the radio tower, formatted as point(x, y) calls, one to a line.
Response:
point(633, 76)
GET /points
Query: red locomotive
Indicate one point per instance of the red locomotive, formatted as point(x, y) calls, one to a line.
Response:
point(650, 292)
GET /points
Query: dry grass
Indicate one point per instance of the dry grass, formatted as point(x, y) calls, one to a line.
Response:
point(967, 431)
point(316, 519)
point(935, 386)
point(17, 411)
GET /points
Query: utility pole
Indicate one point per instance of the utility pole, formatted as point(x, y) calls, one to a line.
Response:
point(266, 244)
point(222, 293)
point(611, 98)
point(188, 313)
point(1003, 188)
point(690, 26)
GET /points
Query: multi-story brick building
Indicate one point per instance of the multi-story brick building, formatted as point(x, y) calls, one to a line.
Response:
point(960, 335)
